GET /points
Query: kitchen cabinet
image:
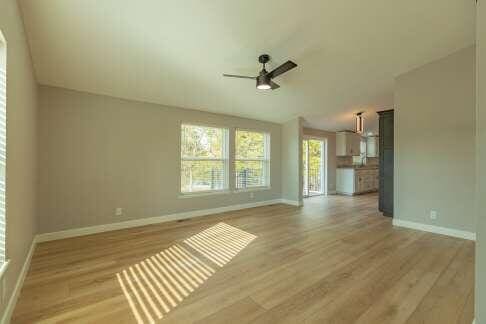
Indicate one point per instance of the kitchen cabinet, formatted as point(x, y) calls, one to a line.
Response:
point(348, 144)
point(372, 146)
point(354, 181)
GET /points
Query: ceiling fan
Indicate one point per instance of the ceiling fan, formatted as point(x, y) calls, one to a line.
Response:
point(264, 79)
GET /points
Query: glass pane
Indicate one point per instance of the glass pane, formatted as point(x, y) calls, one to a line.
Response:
point(201, 142)
point(250, 174)
point(250, 145)
point(202, 176)
point(305, 165)
point(314, 170)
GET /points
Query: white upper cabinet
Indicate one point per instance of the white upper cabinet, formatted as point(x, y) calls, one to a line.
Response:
point(348, 144)
point(372, 146)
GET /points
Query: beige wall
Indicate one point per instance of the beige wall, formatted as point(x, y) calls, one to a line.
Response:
point(292, 134)
point(435, 142)
point(99, 153)
point(21, 143)
point(481, 163)
point(331, 154)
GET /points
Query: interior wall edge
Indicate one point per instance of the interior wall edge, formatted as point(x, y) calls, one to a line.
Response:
point(12, 301)
point(22, 146)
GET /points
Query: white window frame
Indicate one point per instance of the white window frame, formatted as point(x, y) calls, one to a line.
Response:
point(224, 159)
point(266, 159)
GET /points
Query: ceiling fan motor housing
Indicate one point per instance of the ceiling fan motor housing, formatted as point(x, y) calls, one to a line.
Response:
point(264, 58)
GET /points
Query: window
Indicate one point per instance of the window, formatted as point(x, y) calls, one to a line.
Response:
point(252, 159)
point(3, 144)
point(204, 159)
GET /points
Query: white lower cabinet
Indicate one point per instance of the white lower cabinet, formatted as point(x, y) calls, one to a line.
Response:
point(351, 181)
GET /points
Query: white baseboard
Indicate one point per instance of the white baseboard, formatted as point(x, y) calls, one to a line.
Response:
point(18, 285)
point(152, 220)
point(292, 202)
point(435, 229)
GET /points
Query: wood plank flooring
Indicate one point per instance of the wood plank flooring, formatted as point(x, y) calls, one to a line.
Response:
point(335, 260)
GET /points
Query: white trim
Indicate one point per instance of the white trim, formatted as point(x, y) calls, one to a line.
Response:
point(292, 202)
point(18, 286)
point(266, 159)
point(195, 194)
point(151, 220)
point(252, 189)
point(202, 159)
point(435, 229)
point(252, 160)
point(225, 158)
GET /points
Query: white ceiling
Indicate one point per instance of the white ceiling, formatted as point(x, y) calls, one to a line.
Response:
point(173, 52)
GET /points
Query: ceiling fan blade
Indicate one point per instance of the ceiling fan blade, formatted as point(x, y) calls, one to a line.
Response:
point(289, 65)
point(239, 76)
point(274, 85)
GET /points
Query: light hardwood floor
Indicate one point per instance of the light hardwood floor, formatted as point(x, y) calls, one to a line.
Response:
point(336, 260)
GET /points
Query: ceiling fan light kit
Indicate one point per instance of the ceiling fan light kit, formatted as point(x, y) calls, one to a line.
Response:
point(264, 79)
point(263, 83)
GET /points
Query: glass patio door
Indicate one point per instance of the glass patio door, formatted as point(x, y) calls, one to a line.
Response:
point(313, 167)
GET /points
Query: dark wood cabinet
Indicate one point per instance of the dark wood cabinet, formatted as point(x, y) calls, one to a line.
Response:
point(386, 162)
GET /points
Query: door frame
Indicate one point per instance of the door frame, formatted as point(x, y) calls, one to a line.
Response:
point(323, 166)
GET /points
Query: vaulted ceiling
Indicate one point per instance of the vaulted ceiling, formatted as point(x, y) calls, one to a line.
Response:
point(173, 52)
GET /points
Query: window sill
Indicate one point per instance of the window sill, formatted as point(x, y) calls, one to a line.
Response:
point(3, 268)
point(203, 194)
point(252, 189)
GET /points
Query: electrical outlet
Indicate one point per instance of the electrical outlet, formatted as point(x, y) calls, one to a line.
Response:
point(252, 195)
point(433, 214)
point(118, 211)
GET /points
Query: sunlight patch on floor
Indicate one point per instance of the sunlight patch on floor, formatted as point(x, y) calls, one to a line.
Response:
point(156, 285)
point(220, 243)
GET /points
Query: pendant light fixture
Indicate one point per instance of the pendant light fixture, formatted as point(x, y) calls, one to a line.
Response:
point(359, 124)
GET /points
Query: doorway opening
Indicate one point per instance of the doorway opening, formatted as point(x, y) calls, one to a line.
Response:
point(314, 167)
